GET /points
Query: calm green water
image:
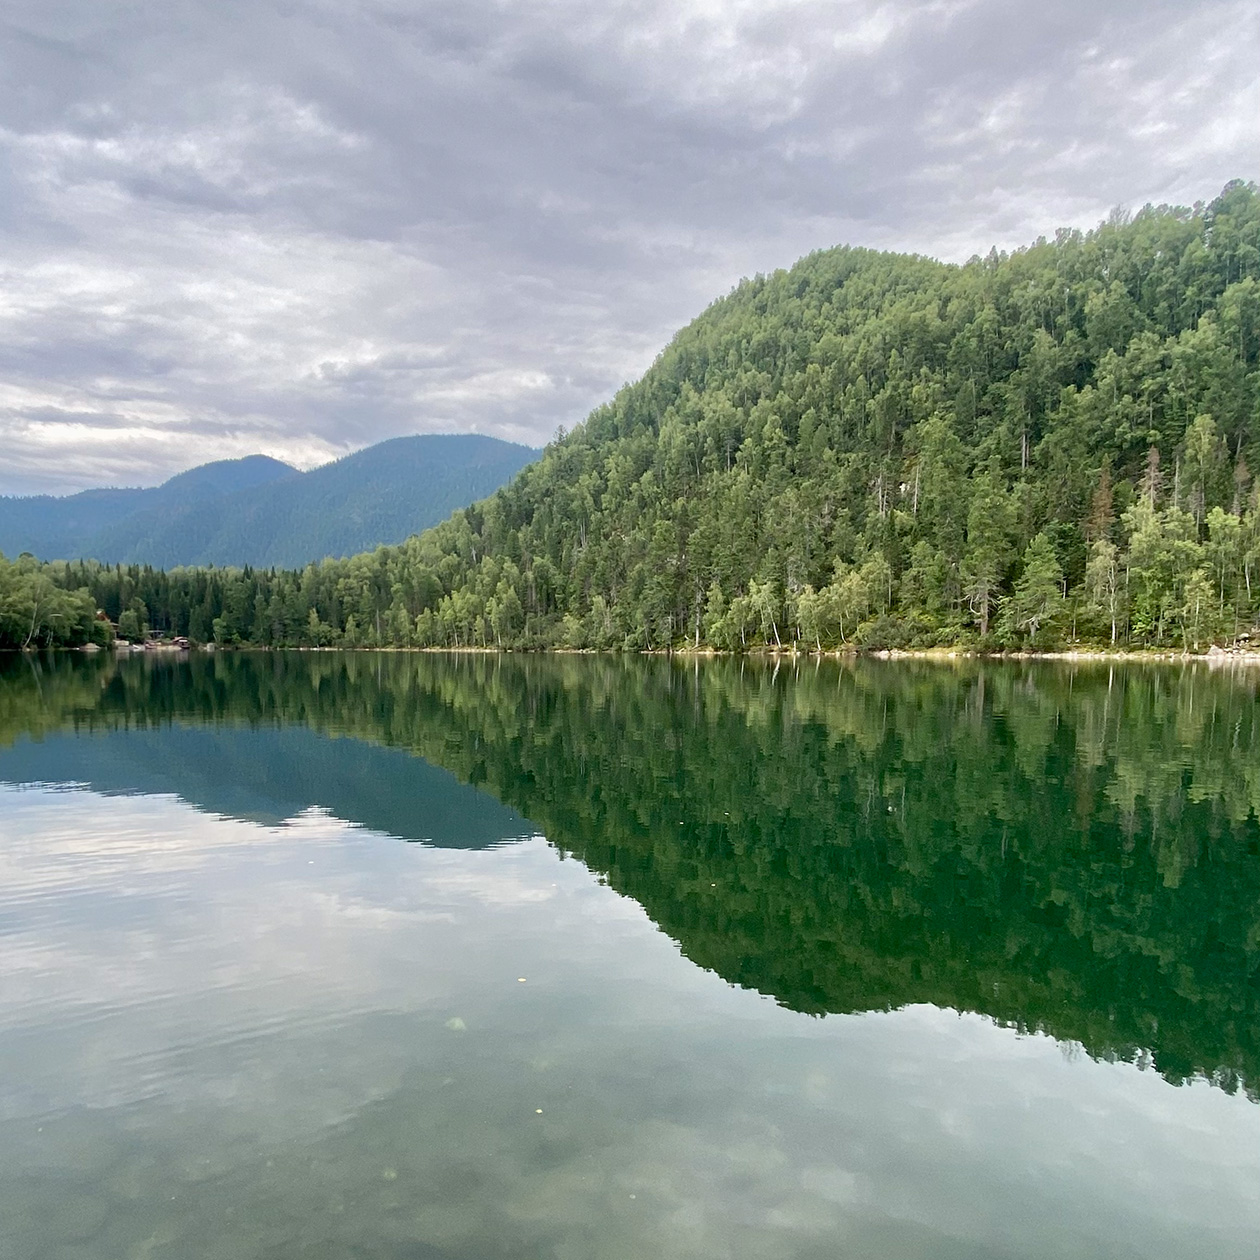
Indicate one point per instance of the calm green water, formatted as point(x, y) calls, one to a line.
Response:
point(404, 957)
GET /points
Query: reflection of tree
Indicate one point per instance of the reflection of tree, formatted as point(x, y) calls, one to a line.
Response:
point(1067, 849)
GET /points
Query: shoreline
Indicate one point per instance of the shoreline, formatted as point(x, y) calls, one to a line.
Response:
point(1215, 655)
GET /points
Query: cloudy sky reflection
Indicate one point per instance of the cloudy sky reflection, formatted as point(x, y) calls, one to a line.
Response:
point(312, 1035)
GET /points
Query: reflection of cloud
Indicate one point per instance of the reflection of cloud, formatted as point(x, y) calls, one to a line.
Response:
point(280, 1020)
point(151, 866)
point(300, 228)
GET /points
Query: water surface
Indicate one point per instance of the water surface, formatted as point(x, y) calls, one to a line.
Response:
point(311, 955)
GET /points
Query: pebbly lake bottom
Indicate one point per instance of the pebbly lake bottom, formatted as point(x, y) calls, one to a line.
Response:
point(233, 1024)
point(222, 1039)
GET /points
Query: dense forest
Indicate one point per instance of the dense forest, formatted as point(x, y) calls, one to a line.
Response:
point(1050, 446)
point(1073, 849)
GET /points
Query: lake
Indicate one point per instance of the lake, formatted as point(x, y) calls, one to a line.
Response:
point(414, 957)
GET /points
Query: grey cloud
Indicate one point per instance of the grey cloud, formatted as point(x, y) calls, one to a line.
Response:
point(301, 228)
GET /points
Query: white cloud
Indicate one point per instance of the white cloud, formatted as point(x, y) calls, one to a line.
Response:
point(302, 228)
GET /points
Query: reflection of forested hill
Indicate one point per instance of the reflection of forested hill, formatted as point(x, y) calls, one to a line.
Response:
point(270, 774)
point(1074, 850)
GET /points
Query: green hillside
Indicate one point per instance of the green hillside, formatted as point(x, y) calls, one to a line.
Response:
point(868, 448)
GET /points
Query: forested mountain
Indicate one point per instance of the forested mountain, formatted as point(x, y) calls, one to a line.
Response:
point(70, 526)
point(260, 512)
point(872, 448)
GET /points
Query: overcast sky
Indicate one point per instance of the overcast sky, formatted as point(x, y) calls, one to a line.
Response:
point(301, 226)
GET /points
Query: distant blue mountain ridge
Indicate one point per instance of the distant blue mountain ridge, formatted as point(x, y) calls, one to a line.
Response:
point(261, 512)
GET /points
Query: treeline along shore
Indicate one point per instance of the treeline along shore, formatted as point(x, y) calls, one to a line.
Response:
point(1027, 451)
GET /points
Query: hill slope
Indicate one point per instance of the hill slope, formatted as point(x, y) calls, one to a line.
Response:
point(870, 447)
point(1025, 447)
point(377, 495)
